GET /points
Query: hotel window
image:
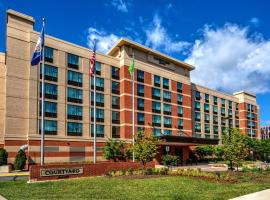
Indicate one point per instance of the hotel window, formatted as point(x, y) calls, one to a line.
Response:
point(248, 115)
point(252, 116)
point(179, 87)
point(215, 109)
point(236, 114)
point(75, 78)
point(167, 122)
point(156, 93)
point(140, 104)
point(215, 129)
point(115, 72)
point(167, 96)
point(215, 99)
point(223, 121)
point(74, 129)
point(206, 98)
point(167, 132)
point(98, 68)
point(115, 117)
point(50, 109)
point(180, 123)
point(207, 128)
point(222, 111)
point(223, 102)
point(99, 115)
point(230, 104)
point(99, 99)
point(223, 130)
point(156, 120)
point(75, 95)
point(197, 116)
point(51, 73)
point(156, 81)
point(237, 123)
point(206, 108)
point(73, 61)
point(140, 117)
point(115, 87)
point(253, 125)
point(74, 112)
point(197, 106)
point(156, 107)
point(115, 102)
point(206, 118)
point(180, 111)
point(48, 54)
point(236, 106)
point(50, 127)
point(115, 132)
point(50, 91)
point(215, 119)
point(166, 83)
point(99, 84)
point(197, 127)
point(249, 124)
point(179, 99)
point(140, 90)
point(230, 123)
point(156, 132)
point(99, 130)
point(197, 95)
point(230, 113)
point(167, 109)
point(140, 76)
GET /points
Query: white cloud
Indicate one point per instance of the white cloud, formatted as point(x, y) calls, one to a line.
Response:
point(120, 5)
point(158, 38)
point(104, 41)
point(255, 21)
point(230, 59)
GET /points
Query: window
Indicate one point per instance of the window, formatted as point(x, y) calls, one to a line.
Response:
point(206, 108)
point(73, 61)
point(74, 95)
point(74, 129)
point(223, 130)
point(167, 122)
point(180, 123)
point(98, 68)
point(50, 127)
point(167, 109)
point(197, 106)
point(215, 119)
point(156, 107)
point(156, 132)
point(140, 76)
point(179, 111)
point(197, 116)
point(215, 129)
point(166, 83)
point(99, 84)
point(48, 54)
point(50, 91)
point(50, 109)
point(140, 118)
point(223, 121)
point(236, 114)
point(115, 87)
point(115, 102)
point(223, 102)
point(215, 99)
point(206, 118)
point(99, 115)
point(237, 123)
point(51, 73)
point(206, 98)
point(230, 104)
point(236, 106)
point(75, 78)
point(156, 120)
point(140, 104)
point(248, 115)
point(167, 96)
point(74, 112)
point(156, 81)
point(207, 128)
point(197, 95)
point(99, 99)
point(99, 130)
point(115, 72)
point(179, 99)
point(156, 93)
point(215, 109)
point(179, 87)
point(197, 127)
point(115, 117)
point(222, 110)
point(167, 132)
point(253, 116)
point(140, 90)
point(230, 123)
point(115, 132)
point(230, 113)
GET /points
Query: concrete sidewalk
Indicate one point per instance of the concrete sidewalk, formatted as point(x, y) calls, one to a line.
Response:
point(262, 195)
point(2, 198)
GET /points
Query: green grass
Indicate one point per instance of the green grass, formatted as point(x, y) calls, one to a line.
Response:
point(173, 187)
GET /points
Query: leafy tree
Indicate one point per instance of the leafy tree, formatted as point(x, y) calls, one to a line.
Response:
point(205, 151)
point(20, 160)
point(234, 146)
point(218, 152)
point(3, 156)
point(170, 160)
point(114, 150)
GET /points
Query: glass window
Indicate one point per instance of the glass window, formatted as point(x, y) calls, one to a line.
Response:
point(206, 97)
point(75, 78)
point(98, 68)
point(140, 90)
point(167, 95)
point(156, 120)
point(167, 108)
point(156, 132)
point(140, 118)
point(115, 117)
point(166, 83)
point(74, 110)
point(99, 114)
point(230, 112)
point(179, 98)
point(197, 127)
point(74, 129)
point(215, 99)
point(215, 109)
point(140, 104)
point(167, 121)
point(197, 106)
point(215, 129)
point(197, 95)
point(73, 60)
point(197, 116)
point(115, 87)
point(115, 132)
point(180, 122)
point(50, 109)
point(115, 72)
point(99, 99)
point(156, 107)
point(99, 130)
point(223, 121)
point(222, 110)
point(157, 80)
point(155, 93)
point(179, 87)
point(48, 54)
point(206, 107)
point(50, 90)
point(206, 118)
point(223, 102)
point(50, 127)
point(99, 83)
point(215, 119)
point(207, 128)
point(167, 132)
point(140, 75)
point(179, 111)
point(75, 95)
point(230, 104)
point(115, 102)
point(51, 72)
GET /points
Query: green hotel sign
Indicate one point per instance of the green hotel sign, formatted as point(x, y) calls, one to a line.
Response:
point(61, 171)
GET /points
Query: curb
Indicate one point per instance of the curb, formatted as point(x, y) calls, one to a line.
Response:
point(14, 174)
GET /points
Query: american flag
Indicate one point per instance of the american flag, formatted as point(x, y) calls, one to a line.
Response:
point(93, 60)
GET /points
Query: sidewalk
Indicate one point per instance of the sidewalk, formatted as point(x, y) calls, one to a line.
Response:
point(262, 195)
point(14, 174)
point(2, 198)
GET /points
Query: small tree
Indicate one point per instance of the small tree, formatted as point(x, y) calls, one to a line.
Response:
point(114, 150)
point(170, 160)
point(3, 156)
point(20, 160)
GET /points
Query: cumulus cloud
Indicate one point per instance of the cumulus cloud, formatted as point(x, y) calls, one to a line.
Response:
point(158, 38)
point(230, 59)
point(104, 40)
point(120, 5)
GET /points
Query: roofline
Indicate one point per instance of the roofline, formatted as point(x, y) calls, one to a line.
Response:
point(123, 41)
point(248, 93)
point(21, 15)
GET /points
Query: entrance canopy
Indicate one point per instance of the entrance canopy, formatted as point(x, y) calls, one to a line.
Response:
point(182, 140)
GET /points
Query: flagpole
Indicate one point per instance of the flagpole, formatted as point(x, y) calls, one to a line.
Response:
point(42, 102)
point(133, 114)
point(94, 113)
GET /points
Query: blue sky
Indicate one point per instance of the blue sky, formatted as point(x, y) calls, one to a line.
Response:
point(227, 41)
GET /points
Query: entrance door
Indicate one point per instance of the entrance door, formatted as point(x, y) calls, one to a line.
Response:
point(179, 153)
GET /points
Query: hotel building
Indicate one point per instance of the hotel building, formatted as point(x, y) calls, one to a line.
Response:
point(265, 132)
point(167, 103)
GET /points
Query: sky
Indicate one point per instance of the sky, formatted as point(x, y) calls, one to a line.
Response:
point(227, 41)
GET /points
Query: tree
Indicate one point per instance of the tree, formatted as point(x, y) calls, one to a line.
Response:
point(114, 150)
point(20, 160)
point(205, 151)
point(234, 146)
point(145, 148)
point(170, 160)
point(3, 156)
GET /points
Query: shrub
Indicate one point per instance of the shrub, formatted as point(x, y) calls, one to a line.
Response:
point(163, 171)
point(130, 171)
point(122, 172)
point(20, 160)
point(3, 156)
point(169, 160)
point(149, 171)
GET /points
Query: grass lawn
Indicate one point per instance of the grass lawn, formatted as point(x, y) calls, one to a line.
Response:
point(166, 187)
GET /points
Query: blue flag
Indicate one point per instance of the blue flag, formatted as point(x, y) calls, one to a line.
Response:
point(37, 55)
